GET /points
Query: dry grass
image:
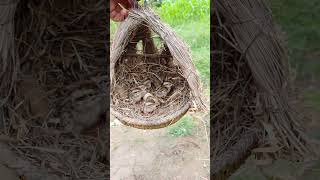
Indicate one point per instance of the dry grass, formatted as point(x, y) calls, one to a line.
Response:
point(8, 62)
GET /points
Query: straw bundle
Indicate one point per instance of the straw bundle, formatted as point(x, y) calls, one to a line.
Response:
point(169, 63)
point(253, 95)
point(8, 64)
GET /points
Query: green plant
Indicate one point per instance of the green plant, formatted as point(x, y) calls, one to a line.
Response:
point(113, 28)
point(181, 11)
point(197, 35)
point(183, 127)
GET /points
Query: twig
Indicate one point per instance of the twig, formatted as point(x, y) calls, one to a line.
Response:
point(58, 151)
point(122, 6)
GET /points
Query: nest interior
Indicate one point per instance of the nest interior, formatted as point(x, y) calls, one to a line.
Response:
point(56, 111)
point(148, 85)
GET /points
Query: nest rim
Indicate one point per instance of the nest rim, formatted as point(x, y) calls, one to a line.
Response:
point(152, 122)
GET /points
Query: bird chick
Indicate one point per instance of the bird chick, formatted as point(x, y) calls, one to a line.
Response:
point(150, 103)
point(136, 95)
point(145, 85)
point(164, 89)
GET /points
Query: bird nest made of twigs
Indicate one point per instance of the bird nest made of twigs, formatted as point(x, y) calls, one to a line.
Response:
point(154, 81)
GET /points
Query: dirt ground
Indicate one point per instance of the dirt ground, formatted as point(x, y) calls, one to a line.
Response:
point(155, 154)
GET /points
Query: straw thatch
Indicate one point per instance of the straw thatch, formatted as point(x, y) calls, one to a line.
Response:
point(167, 62)
point(54, 79)
point(252, 98)
point(8, 63)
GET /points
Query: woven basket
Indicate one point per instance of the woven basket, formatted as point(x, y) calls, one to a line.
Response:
point(154, 83)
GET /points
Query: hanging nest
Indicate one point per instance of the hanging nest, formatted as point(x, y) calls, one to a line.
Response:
point(153, 79)
point(254, 104)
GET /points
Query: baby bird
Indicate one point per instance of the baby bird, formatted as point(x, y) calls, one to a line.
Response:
point(146, 85)
point(164, 89)
point(150, 103)
point(136, 95)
